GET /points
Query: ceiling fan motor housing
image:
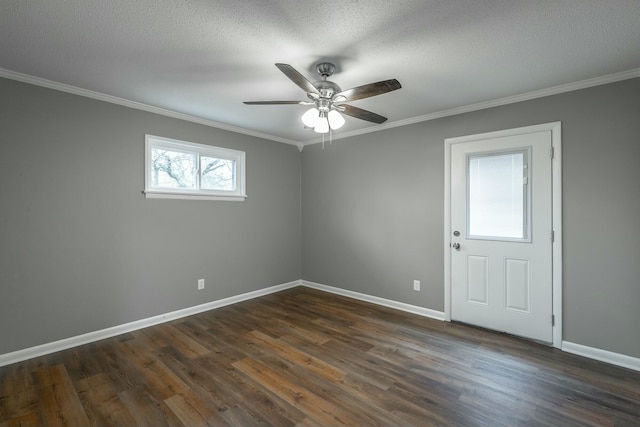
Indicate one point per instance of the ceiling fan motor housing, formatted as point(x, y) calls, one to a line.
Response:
point(326, 88)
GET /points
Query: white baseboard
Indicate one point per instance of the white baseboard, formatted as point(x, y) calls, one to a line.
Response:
point(52, 347)
point(578, 349)
point(602, 355)
point(421, 311)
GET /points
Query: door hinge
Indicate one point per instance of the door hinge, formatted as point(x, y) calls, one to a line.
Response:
point(553, 320)
point(553, 152)
point(553, 236)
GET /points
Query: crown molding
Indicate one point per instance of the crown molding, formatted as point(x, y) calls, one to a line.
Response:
point(25, 78)
point(555, 90)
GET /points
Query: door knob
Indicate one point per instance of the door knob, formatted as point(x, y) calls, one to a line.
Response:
point(456, 246)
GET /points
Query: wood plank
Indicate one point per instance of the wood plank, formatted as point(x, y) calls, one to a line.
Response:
point(215, 379)
point(25, 420)
point(60, 403)
point(147, 411)
point(309, 403)
point(340, 393)
point(311, 363)
point(105, 408)
point(171, 335)
point(193, 411)
point(18, 393)
point(154, 375)
point(255, 400)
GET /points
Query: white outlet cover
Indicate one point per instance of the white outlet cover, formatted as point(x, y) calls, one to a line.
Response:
point(200, 284)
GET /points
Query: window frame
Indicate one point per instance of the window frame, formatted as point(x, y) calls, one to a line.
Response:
point(239, 194)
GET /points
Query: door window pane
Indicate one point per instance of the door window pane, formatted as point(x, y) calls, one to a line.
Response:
point(497, 195)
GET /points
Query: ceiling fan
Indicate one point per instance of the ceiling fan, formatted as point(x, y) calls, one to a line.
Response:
point(327, 98)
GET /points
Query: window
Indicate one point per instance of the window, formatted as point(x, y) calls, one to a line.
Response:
point(498, 196)
point(185, 170)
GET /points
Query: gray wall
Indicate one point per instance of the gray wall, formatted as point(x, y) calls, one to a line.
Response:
point(82, 250)
point(373, 209)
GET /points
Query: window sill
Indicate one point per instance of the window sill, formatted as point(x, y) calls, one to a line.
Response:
point(191, 196)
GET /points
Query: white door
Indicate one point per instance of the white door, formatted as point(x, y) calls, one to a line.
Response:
point(501, 234)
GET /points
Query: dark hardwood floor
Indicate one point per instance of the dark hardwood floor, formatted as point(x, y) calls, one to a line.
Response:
point(303, 358)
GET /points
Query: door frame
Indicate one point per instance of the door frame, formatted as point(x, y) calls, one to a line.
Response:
point(556, 206)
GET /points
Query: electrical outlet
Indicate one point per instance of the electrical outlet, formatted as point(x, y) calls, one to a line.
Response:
point(200, 284)
point(416, 285)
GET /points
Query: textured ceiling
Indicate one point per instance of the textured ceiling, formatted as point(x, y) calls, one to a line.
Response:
point(204, 57)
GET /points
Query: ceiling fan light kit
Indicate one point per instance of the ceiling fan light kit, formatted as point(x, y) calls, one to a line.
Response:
point(336, 121)
point(327, 98)
point(310, 118)
point(321, 121)
point(322, 125)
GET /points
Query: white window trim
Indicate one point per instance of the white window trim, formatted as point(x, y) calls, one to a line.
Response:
point(175, 193)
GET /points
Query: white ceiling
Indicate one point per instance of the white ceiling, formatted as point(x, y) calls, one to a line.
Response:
point(204, 57)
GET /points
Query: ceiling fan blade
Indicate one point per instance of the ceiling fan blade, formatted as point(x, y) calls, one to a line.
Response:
point(277, 102)
point(359, 113)
point(366, 91)
point(298, 78)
